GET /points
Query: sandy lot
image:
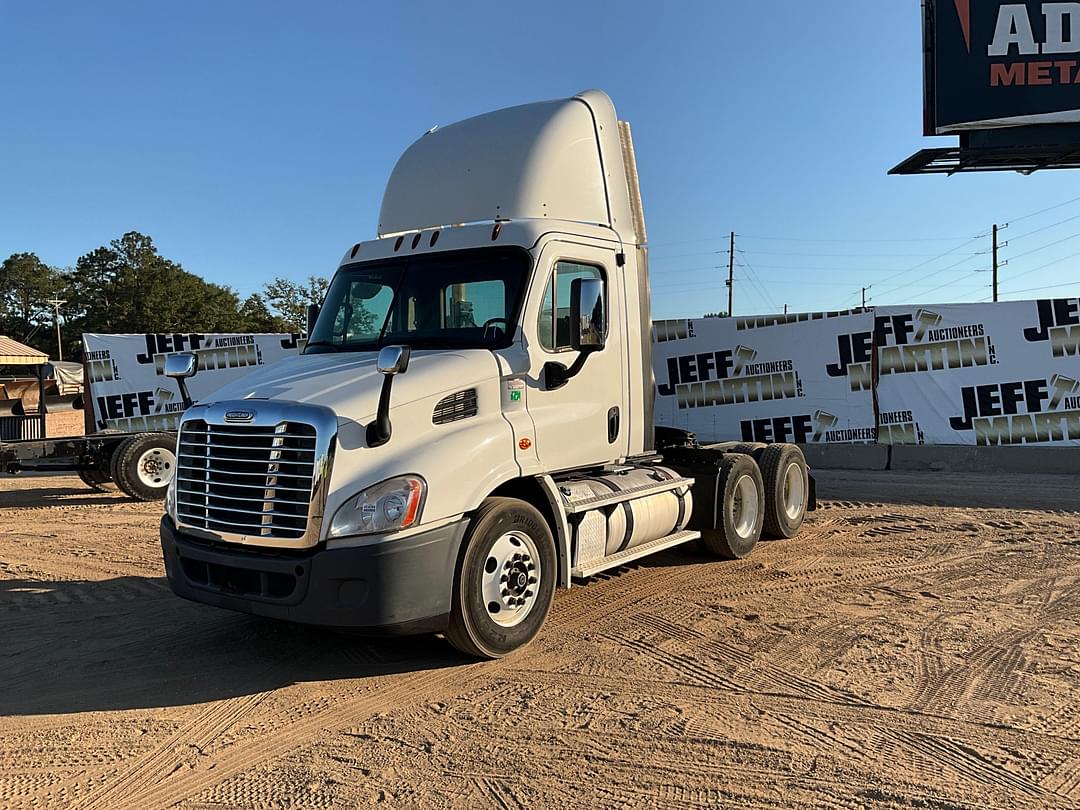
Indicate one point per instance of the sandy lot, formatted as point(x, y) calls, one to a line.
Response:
point(917, 646)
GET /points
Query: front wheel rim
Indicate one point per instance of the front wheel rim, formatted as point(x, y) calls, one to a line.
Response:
point(745, 507)
point(511, 579)
point(156, 467)
point(794, 491)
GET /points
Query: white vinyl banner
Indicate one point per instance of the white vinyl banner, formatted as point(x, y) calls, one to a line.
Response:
point(768, 379)
point(125, 373)
point(987, 374)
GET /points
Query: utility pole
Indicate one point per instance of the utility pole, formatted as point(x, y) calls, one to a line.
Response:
point(993, 250)
point(785, 309)
point(730, 273)
point(864, 297)
point(56, 304)
point(996, 263)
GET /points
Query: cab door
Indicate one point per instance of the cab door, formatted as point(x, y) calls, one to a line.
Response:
point(583, 421)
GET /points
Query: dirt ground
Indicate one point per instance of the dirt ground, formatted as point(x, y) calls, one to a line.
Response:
point(918, 645)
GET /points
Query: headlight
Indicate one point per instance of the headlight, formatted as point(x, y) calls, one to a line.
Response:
point(387, 507)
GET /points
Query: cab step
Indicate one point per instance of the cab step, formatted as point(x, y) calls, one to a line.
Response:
point(622, 557)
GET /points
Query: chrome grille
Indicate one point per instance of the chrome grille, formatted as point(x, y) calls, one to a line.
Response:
point(253, 480)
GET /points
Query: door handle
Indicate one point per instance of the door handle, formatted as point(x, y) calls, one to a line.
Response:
point(612, 424)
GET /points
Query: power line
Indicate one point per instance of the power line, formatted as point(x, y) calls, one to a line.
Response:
point(1045, 287)
point(685, 255)
point(1043, 266)
point(797, 239)
point(755, 279)
point(934, 272)
point(1044, 228)
point(775, 282)
point(835, 269)
point(839, 255)
point(750, 292)
point(920, 265)
point(955, 281)
point(1044, 210)
point(1044, 247)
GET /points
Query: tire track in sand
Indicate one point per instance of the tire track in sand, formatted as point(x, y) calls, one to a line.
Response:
point(155, 781)
point(168, 757)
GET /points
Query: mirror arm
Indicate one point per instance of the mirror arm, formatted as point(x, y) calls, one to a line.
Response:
point(392, 360)
point(185, 396)
point(378, 430)
point(556, 375)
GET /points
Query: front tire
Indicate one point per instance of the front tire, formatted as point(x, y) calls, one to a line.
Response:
point(505, 580)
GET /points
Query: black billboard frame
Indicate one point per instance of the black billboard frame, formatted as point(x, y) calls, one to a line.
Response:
point(1025, 149)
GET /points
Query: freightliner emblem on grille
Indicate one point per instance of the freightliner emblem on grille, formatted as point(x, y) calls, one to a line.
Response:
point(239, 416)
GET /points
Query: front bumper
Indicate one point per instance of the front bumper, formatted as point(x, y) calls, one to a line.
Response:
point(400, 586)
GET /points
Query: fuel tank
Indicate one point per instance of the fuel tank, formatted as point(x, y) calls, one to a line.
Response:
point(635, 504)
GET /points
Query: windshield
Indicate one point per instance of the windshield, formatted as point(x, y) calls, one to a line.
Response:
point(465, 299)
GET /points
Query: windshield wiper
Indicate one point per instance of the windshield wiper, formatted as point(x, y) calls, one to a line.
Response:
point(335, 346)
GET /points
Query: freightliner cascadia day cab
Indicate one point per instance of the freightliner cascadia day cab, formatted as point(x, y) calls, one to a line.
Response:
point(470, 424)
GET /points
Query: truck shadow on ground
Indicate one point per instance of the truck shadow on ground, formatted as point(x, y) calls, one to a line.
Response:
point(129, 643)
point(59, 496)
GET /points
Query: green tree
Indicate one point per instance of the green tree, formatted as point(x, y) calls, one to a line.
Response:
point(256, 316)
point(26, 285)
point(289, 299)
point(128, 286)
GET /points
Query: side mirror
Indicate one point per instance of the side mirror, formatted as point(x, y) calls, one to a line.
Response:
point(181, 366)
point(312, 316)
point(588, 321)
point(393, 359)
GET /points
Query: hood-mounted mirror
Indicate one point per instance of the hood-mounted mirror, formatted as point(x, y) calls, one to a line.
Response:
point(392, 360)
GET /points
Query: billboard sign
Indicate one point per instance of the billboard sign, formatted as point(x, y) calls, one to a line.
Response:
point(125, 374)
point(987, 374)
point(762, 379)
point(991, 64)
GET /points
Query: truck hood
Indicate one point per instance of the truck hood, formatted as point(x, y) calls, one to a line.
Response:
point(349, 383)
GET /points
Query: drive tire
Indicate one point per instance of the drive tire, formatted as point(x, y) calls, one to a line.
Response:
point(496, 526)
point(143, 465)
point(96, 479)
point(749, 448)
point(742, 499)
point(787, 490)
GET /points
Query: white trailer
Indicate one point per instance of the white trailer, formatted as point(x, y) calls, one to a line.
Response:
point(470, 425)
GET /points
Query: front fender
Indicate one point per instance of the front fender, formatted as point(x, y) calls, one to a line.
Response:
point(462, 461)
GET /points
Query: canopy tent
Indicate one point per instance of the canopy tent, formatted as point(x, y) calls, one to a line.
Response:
point(68, 376)
point(13, 353)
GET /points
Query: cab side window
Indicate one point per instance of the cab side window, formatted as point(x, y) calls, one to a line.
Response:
point(554, 331)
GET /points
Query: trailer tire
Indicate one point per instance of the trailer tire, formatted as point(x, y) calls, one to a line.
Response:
point(742, 497)
point(787, 489)
point(491, 616)
point(96, 479)
point(143, 465)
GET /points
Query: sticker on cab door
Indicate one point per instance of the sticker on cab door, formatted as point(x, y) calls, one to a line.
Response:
point(514, 394)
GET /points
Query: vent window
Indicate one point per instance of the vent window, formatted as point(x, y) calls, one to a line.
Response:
point(461, 405)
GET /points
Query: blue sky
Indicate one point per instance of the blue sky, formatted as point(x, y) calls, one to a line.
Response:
point(253, 139)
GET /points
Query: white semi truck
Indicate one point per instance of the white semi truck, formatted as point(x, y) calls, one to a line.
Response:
point(471, 423)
